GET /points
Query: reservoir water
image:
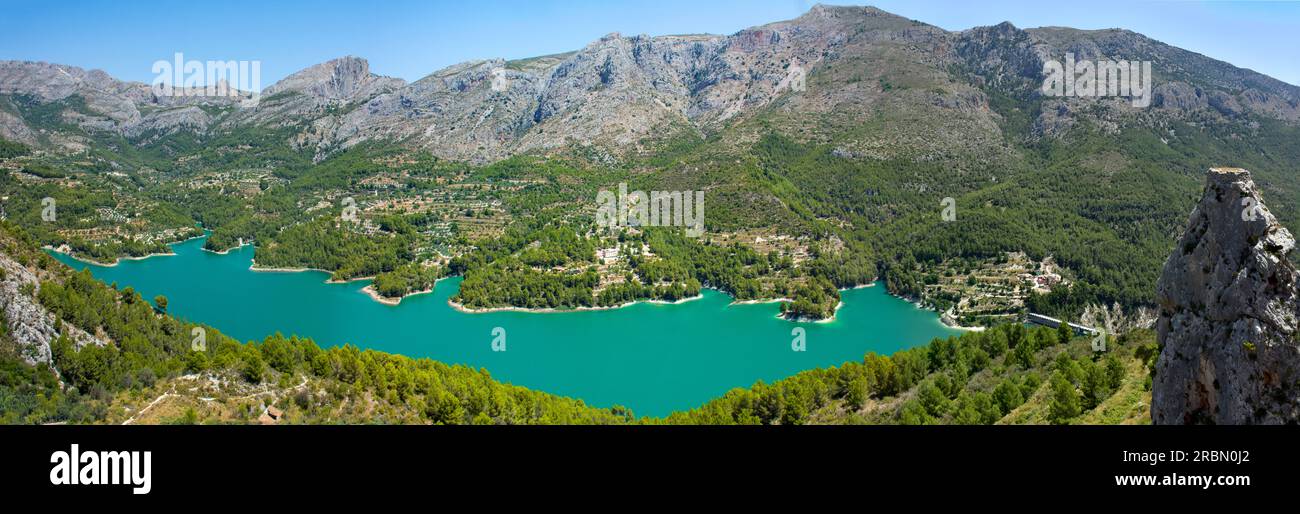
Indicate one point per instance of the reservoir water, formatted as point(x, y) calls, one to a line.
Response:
point(652, 358)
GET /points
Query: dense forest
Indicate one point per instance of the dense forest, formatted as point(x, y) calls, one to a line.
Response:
point(817, 299)
point(1008, 374)
point(552, 267)
point(324, 244)
point(406, 279)
point(12, 149)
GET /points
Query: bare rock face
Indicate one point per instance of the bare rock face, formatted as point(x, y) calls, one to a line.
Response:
point(345, 78)
point(1179, 96)
point(102, 104)
point(1228, 305)
point(30, 324)
point(32, 327)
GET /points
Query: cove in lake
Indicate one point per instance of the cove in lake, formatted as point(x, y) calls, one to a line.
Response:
point(652, 358)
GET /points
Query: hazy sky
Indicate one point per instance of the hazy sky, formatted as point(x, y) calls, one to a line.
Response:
point(412, 38)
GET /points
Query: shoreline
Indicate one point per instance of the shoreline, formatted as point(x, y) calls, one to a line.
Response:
point(222, 252)
point(331, 280)
point(119, 259)
point(759, 302)
point(548, 310)
point(945, 318)
point(109, 264)
point(258, 269)
point(370, 291)
point(806, 319)
point(551, 310)
point(207, 233)
point(951, 322)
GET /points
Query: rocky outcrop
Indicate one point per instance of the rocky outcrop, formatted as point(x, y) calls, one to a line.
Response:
point(1003, 53)
point(29, 323)
point(1179, 96)
point(1228, 305)
point(345, 79)
point(93, 101)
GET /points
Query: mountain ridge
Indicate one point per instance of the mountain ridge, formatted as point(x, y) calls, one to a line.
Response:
point(617, 91)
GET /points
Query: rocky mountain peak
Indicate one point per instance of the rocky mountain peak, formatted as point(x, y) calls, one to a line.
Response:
point(338, 79)
point(1228, 306)
point(41, 79)
point(838, 11)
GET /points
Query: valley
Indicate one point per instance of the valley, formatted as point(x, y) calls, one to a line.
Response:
point(840, 149)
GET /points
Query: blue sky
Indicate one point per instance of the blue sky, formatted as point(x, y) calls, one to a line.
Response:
point(411, 38)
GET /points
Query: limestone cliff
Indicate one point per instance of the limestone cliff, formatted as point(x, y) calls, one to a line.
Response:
point(27, 323)
point(1228, 304)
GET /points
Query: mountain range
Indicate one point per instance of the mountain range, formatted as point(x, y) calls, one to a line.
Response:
point(620, 93)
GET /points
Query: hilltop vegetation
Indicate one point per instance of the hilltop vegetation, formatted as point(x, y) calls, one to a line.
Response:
point(1006, 375)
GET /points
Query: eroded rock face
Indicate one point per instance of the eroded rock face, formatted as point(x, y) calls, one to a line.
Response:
point(30, 324)
point(1228, 305)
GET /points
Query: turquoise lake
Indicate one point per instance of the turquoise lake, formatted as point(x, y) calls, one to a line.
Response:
point(652, 358)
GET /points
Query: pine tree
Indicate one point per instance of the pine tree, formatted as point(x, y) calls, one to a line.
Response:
point(1065, 400)
point(1064, 333)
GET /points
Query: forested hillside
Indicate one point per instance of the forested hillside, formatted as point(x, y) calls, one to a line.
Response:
point(1006, 375)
